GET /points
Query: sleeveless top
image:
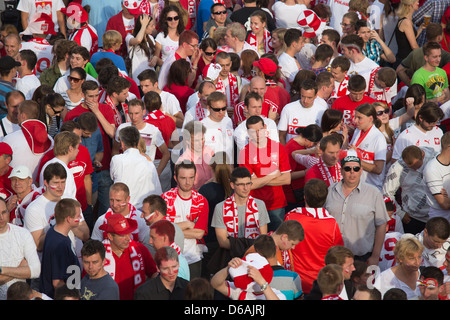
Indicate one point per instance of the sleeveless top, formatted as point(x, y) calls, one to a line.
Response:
point(404, 48)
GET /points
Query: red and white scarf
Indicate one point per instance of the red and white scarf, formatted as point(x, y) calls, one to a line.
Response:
point(176, 247)
point(132, 215)
point(377, 94)
point(234, 90)
point(267, 39)
point(230, 218)
point(117, 116)
point(137, 262)
point(342, 89)
point(200, 113)
point(78, 33)
point(326, 175)
point(17, 214)
point(196, 205)
point(317, 213)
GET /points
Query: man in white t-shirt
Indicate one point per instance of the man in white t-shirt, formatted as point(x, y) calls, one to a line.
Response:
point(53, 8)
point(65, 151)
point(27, 82)
point(134, 169)
point(219, 128)
point(10, 123)
point(149, 133)
point(119, 202)
point(300, 113)
point(352, 46)
point(253, 106)
point(424, 133)
point(437, 177)
point(287, 61)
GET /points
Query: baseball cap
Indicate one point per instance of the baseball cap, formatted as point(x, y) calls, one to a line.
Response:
point(5, 149)
point(133, 6)
point(349, 156)
point(267, 66)
point(40, 23)
point(20, 172)
point(117, 223)
point(7, 63)
point(211, 71)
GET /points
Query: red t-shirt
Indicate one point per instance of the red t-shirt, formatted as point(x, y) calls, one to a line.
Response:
point(279, 96)
point(262, 162)
point(181, 92)
point(348, 106)
point(299, 183)
point(124, 270)
point(309, 255)
point(165, 124)
point(6, 190)
point(109, 116)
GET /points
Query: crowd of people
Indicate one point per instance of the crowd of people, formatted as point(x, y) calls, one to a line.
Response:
point(225, 150)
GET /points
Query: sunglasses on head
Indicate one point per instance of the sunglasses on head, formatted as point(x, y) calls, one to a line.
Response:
point(385, 111)
point(348, 169)
point(220, 12)
point(218, 109)
point(210, 53)
point(176, 18)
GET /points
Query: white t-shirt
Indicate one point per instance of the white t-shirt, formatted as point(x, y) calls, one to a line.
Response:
point(151, 135)
point(387, 257)
point(437, 177)
point(128, 24)
point(219, 135)
point(387, 280)
point(414, 136)
point(294, 115)
point(168, 46)
point(241, 133)
point(372, 147)
point(170, 103)
point(27, 85)
point(9, 127)
point(286, 15)
point(363, 68)
point(70, 190)
point(50, 7)
point(43, 51)
point(288, 67)
point(40, 214)
point(62, 84)
point(433, 257)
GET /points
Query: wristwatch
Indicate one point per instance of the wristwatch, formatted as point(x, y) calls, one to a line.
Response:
point(264, 286)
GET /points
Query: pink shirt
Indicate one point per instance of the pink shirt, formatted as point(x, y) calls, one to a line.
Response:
point(204, 171)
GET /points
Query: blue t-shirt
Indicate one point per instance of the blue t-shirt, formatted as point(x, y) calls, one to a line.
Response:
point(57, 256)
point(116, 59)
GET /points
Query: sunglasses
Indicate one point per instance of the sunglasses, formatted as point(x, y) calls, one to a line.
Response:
point(385, 111)
point(56, 112)
point(76, 80)
point(220, 12)
point(210, 53)
point(218, 109)
point(348, 169)
point(176, 18)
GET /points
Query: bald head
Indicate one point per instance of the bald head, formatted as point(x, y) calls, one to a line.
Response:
point(258, 85)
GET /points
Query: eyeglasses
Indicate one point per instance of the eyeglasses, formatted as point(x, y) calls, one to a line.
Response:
point(220, 12)
point(218, 109)
point(195, 46)
point(248, 184)
point(76, 80)
point(385, 111)
point(348, 169)
point(176, 18)
point(210, 53)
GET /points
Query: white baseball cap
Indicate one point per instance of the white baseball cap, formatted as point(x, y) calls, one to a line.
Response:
point(20, 172)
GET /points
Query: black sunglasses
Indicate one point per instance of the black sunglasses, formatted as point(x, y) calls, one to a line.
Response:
point(176, 18)
point(220, 12)
point(385, 111)
point(218, 109)
point(76, 80)
point(348, 169)
point(210, 53)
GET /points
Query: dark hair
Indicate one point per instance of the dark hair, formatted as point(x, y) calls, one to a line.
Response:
point(309, 84)
point(331, 118)
point(369, 110)
point(239, 173)
point(316, 191)
point(292, 35)
point(130, 136)
point(265, 246)
point(30, 57)
point(417, 92)
point(301, 76)
point(163, 27)
point(395, 294)
point(88, 122)
point(146, 44)
point(323, 52)
point(89, 85)
point(106, 74)
point(334, 139)
point(178, 73)
point(184, 165)
point(54, 170)
point(82, 51)
point(152, 101)
point(311, 132)
point(252, 95)
point(433, 273)
point(427, 47)
point(92, 247)
point(81, 72)
point(156, 202)
point(64, 292)
point(117, 85)
point(438, 227)
point(148, 74)
point(429, 112)
point(253, 120)
point(342, 62)
point(357, 83)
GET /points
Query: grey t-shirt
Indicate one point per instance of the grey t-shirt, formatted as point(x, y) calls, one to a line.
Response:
point(217, 220)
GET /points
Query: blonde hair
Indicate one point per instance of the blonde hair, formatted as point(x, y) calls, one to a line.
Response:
point(63, 141)
point(111, 38)
point(387, 127)
point(405, 7)
point(406, 247)
point(280, 33)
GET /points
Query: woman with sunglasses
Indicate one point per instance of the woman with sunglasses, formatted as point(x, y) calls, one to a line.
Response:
point(208, 50)
point(51, 107)
point(170, 27)
point(74, 96)
point(389, 127)
point(141, 47)
point(371, 143)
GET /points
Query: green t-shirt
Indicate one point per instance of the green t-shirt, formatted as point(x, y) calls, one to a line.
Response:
point(434, 82)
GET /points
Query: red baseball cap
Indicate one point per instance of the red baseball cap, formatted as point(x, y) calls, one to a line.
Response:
point(117, 223)
point(5, 149)
point(266, 65)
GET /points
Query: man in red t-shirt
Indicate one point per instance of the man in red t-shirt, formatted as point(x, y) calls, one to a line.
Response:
point(356, 96)
point(269, 165)
point(321, 233)
point(328, 168)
